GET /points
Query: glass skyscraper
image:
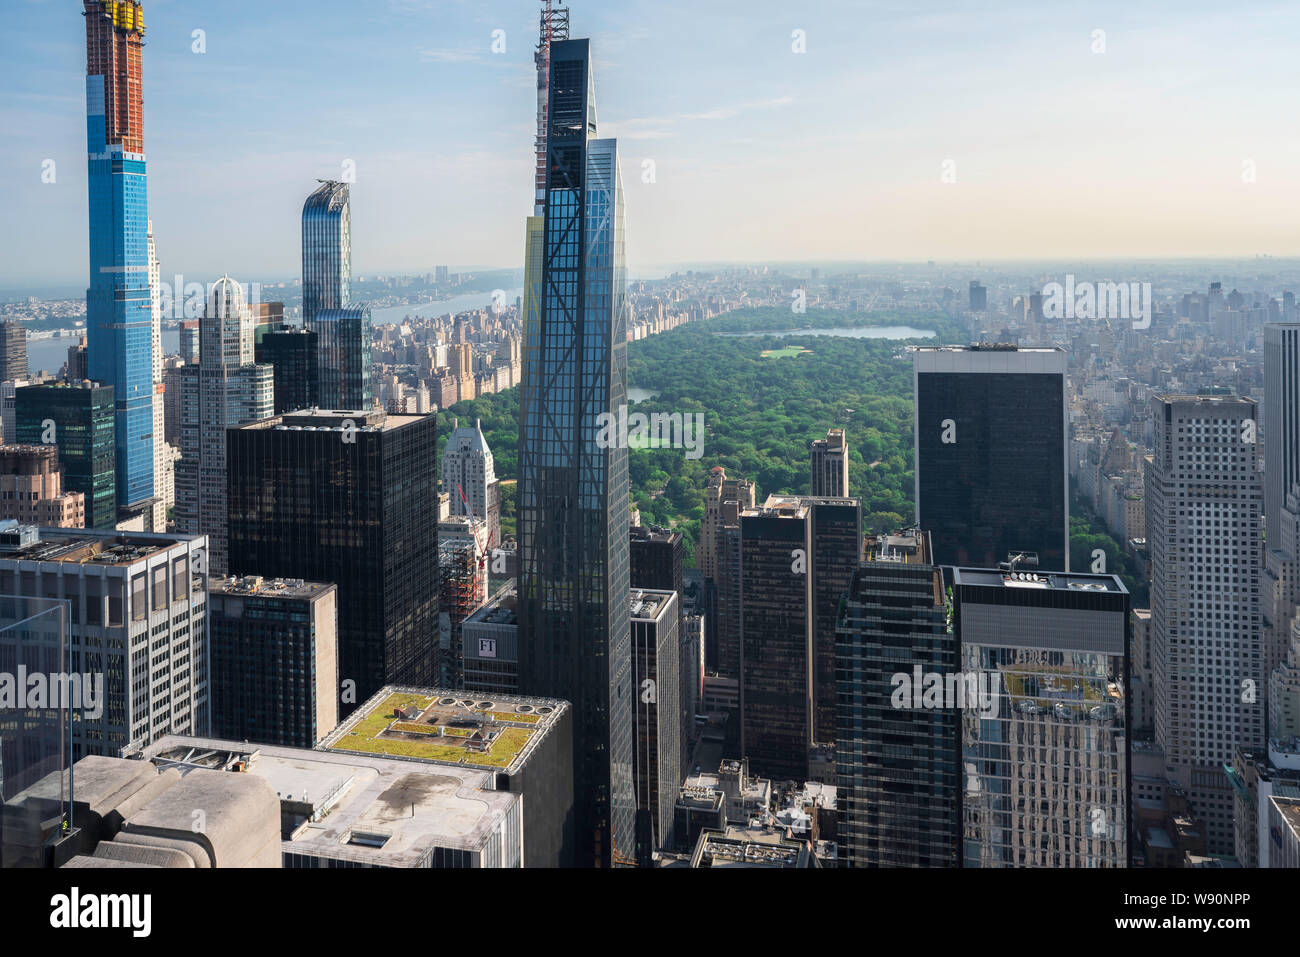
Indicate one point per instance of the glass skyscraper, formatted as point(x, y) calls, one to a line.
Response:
point(1045, 746)
point(326, 250)
point(119, 309)
point(991, 464)
point(343, 357)
point(573, 489)
point(342, 328)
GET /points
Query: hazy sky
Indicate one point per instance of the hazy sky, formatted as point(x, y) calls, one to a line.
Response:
point(760, 153)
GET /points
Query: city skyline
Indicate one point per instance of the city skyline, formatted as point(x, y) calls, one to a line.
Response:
point(729, 131)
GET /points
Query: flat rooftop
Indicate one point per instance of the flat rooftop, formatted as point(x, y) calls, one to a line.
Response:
point(1289, 808)
point(332, 420)
point(748, 847)
point(79, 546)
point(455, 728)
point(363, 808)
point(503, 609)
point(257, 586)
point(905, 547)
point(648, 605)
point(1033, 579)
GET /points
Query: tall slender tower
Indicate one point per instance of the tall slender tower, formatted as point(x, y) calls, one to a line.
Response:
point(225, 389)
point(554, 27)
point(574, 640)
point(1203, 501)
point(118, 302)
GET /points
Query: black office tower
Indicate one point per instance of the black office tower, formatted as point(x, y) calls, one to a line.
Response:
point(776, 638)
point(837, 548)
point(291, 352)
point(896, 767)
point(991, 465)
point(350, 498)
point(574, 639)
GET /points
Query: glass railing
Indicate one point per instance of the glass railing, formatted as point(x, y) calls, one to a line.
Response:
point(41, 698)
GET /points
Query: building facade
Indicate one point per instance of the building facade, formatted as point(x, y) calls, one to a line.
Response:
point(274, 657)
point(78, 418)
point(349, 498)
point(991, 454)
point(1204, 495)
point(119, 309)
point(896, 764)
point(573, 494)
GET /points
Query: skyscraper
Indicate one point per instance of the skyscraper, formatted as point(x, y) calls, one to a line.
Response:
point(467, 470)
point(78, 418)
point(163, 473)
point(1281, 418)
point(836, 550)
point(655, 619)
point(1203, 500)
point(776, 638)
point(225, 389)
point(343, 357)
point(574, 640)
point(896, 768)
point(992, 454)
point(291, 352)
point(1042, 694)
point(13, 351)
point(351, 499)
point(119, 311)
point(830, 465)
point(326, 250)
point(979, 296)
point(342, 328)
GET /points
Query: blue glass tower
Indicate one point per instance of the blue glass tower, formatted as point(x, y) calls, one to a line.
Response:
point(118, 300)
point(574, 639)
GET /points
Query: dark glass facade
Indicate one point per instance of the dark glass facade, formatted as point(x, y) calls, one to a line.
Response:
point(326, 250)
point(273, 662)
point(291, 352)
point(896, 768)
point(991, 456)
point(314, 499)
point(343, 357)
point(776, 640)
point(837, 548)
point(574, 640)
point(82, 421)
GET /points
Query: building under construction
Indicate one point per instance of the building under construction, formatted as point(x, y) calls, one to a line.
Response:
point(462, 584)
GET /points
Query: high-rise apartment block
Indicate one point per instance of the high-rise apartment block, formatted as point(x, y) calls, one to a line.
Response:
point(13, 351)
point(574, 637)
point(1041, 691)
point(830, 466)
point(469, 478)
point(896, 767)
point(1204, 495)
point(225, 389)
point(992, 454)
point(119, 308)
point(349, 498)
point(31, 488)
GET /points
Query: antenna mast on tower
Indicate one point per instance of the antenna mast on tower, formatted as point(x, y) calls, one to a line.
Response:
point(554, 26)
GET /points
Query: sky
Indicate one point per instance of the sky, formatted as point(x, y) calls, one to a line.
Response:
point(912, 130)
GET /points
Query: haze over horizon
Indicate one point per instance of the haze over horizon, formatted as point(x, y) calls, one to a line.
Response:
point(1167, 145)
